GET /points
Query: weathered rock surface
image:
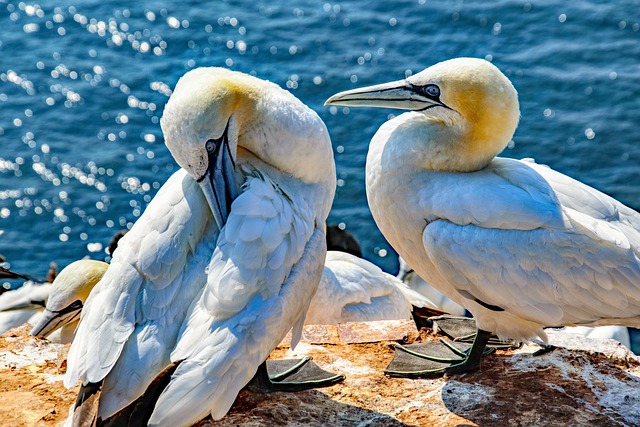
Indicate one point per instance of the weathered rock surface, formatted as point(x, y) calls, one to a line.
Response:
point(589, 382)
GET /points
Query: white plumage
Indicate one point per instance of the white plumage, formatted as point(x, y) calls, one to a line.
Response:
point(518, 244)
point(23, 305)
point(179, 288)
point(354, 290)
point(439, 301)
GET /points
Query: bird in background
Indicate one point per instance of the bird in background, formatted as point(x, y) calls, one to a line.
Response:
point(24, 304)
point(516, 243)
point(353, 289)
point(339, 239)
point(67, 295)
point(220, 266)
point(618, 333)
point(440, 303)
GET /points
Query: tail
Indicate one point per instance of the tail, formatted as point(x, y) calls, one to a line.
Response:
point(414, 297)
point(138, 412)
point(85, 410)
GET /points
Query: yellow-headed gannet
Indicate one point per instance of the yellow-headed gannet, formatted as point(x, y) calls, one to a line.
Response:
point(69, 292)
point(354, 290)
point(224, 260)
point(518, 244)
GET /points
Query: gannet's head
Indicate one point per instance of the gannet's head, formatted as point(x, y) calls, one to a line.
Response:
point(470, 96)
point(215, 107)
point(69, 292)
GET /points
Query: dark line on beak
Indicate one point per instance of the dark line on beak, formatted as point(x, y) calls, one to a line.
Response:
point(77, 304)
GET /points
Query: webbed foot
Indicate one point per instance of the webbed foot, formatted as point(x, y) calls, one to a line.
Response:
point(463, 329)
point(292, 375)
point(435, 359)
point(548, 348)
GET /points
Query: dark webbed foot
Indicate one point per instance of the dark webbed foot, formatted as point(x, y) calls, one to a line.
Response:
point(463, 329)
point(462, 353)
point(435, 359)
point(548, 348)
point(292, 375)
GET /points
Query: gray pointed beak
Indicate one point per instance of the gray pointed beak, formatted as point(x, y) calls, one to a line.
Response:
point(399, 95)
point(50, 321)
point(219, 182)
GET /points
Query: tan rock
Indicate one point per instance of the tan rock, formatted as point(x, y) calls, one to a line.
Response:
point(588, 383)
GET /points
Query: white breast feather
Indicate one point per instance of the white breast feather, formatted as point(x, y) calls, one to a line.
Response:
point(254, 290)
point(139, 285)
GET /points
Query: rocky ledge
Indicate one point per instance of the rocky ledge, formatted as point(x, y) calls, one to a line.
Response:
point(586, 382)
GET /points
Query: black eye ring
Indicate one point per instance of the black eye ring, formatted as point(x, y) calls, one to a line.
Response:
point(432, 91)
point(210, 145)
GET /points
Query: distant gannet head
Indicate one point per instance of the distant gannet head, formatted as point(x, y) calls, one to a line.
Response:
point(214, 112)
point(69, 292)
point(470, 100)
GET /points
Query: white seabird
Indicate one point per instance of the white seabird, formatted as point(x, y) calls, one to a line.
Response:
point(69, 291)
point(518, 244)
point(355, 290)
point(202, 281)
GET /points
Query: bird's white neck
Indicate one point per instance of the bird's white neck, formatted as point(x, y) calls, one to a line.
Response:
point(283, 132)
point(405, 153)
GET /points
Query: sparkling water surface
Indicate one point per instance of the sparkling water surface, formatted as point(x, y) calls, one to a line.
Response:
point(83, 86)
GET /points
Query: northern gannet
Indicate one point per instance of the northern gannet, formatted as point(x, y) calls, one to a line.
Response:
point(68, 293)
point(224, 260)
point(518, 244)
point(355, 290)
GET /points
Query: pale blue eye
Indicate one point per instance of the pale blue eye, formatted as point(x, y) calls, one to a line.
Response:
point(432, 90)
point(210, 146)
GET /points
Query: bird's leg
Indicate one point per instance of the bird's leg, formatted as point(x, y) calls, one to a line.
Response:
point(463, 329)
point(474, 355)
point(435, 359)
point(292, 375)
point(548, 348)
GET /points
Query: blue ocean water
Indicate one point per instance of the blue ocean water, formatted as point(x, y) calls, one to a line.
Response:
point(82, 88)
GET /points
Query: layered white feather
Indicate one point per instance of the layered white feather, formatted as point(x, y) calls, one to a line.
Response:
point(219, 301)
point(354, 290)
point(259, 284)
point(131, 319)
